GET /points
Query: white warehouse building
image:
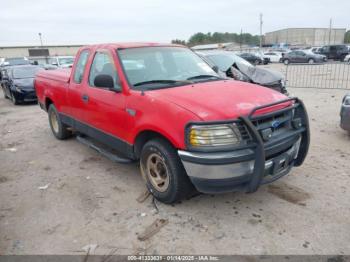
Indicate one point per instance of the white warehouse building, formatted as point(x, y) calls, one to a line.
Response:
point(306, 36)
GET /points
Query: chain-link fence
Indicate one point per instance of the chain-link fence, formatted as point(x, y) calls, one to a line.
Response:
point(334, 75)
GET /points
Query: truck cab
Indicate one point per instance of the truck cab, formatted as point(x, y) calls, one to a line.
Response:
point(163, 106)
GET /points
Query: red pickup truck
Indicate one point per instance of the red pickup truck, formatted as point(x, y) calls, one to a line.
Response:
point(163, 105)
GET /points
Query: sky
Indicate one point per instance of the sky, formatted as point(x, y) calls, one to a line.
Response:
point(91, 21)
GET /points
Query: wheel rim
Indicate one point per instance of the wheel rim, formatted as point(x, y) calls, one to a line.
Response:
point(157, 172)
point(54, 121)
point(311, 61)
point(286, 62)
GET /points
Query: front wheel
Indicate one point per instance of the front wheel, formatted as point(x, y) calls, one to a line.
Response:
point(14, 99)
point(164, 173)
point(286, 61)
point(58, 128)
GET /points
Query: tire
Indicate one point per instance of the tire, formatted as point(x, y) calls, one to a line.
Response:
point(311, 61)
point(14, 100)
point(256, 62)
point(286, 61)
point(58, 128)
point(164, 173)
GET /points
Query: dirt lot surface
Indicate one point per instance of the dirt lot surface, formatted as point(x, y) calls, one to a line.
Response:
point(85, 199)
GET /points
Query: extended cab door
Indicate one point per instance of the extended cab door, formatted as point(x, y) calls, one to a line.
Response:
point(105, 110)
point(77, 88)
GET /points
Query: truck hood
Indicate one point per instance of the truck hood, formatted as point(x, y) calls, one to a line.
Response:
point(220, 100)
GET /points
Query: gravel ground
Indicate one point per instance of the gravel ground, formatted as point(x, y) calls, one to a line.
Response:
point(88, 200)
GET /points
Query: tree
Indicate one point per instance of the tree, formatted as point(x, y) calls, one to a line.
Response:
point(178, 42)
point(217, 37)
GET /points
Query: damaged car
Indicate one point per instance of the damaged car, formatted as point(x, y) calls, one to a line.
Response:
point(230, 65)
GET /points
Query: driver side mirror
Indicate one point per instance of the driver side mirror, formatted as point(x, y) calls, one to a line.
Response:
point(215, 68)
point(106, 81)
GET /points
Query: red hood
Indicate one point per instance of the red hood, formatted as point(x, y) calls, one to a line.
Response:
point(220, 100)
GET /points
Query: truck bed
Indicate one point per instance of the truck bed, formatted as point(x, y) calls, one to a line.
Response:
point(61, 75)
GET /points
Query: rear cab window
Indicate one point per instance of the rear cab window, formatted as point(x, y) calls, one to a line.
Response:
point(80, 67)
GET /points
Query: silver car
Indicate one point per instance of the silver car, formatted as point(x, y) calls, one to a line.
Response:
point(345, 113)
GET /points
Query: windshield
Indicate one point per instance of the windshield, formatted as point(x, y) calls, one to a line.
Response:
point(225, 60)
point(66, 60)
point(25, 72)
point(160, 67)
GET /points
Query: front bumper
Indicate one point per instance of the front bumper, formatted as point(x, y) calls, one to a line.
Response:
point(247, 168)
point(25, 95)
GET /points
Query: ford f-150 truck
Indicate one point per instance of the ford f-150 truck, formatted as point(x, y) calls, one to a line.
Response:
point(163, 105)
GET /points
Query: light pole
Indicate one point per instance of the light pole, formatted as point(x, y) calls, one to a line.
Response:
point(41, 40)
point(261, 24)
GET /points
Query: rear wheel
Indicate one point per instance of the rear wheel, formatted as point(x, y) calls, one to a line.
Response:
point(311, 61)
point(58, 128)
point(286, 61)
point(164, 173)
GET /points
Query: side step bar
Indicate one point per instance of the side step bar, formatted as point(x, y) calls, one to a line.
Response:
point(113, 157)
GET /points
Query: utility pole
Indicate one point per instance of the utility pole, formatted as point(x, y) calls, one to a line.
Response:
point(330, 31)
point(261, 23)
point(240, 42)
point(41, 40)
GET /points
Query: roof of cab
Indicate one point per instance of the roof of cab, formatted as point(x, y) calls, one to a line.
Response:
point(130, 45)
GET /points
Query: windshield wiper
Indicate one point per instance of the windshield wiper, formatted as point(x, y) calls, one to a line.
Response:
point(163, 81)
point(204, 76)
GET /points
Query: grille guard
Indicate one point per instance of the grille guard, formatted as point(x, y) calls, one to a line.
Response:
point(259, 166)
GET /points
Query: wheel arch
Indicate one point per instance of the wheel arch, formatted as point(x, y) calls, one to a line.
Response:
point(48, 102)
point(146, 135)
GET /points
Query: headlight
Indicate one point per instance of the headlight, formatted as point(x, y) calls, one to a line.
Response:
point(18, 89)
point(214, 135)
point(346, 100)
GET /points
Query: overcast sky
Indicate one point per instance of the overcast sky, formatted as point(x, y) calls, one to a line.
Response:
point(87, 21)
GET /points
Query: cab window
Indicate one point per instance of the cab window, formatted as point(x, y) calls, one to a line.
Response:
point(80, 67)
point(103, 65)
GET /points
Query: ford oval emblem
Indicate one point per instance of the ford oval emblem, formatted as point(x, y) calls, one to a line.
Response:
point(275, 124)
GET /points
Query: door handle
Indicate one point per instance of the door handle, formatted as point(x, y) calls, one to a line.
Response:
point(85, 98)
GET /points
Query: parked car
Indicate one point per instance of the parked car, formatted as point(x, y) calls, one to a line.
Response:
point(347, 58)
point(233, 66)
point(283, 51)
point(345, 113)
point(17, 83)
point(313, 49)
point(189, 128)
point(62, 61)
point(12, 61)
point(275, 57)
point(300, 56)
point(253, 59)
point(336, 52)
point(266, 60)
point(48, 66)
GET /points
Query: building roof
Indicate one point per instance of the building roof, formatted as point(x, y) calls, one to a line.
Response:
point(315, 28)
